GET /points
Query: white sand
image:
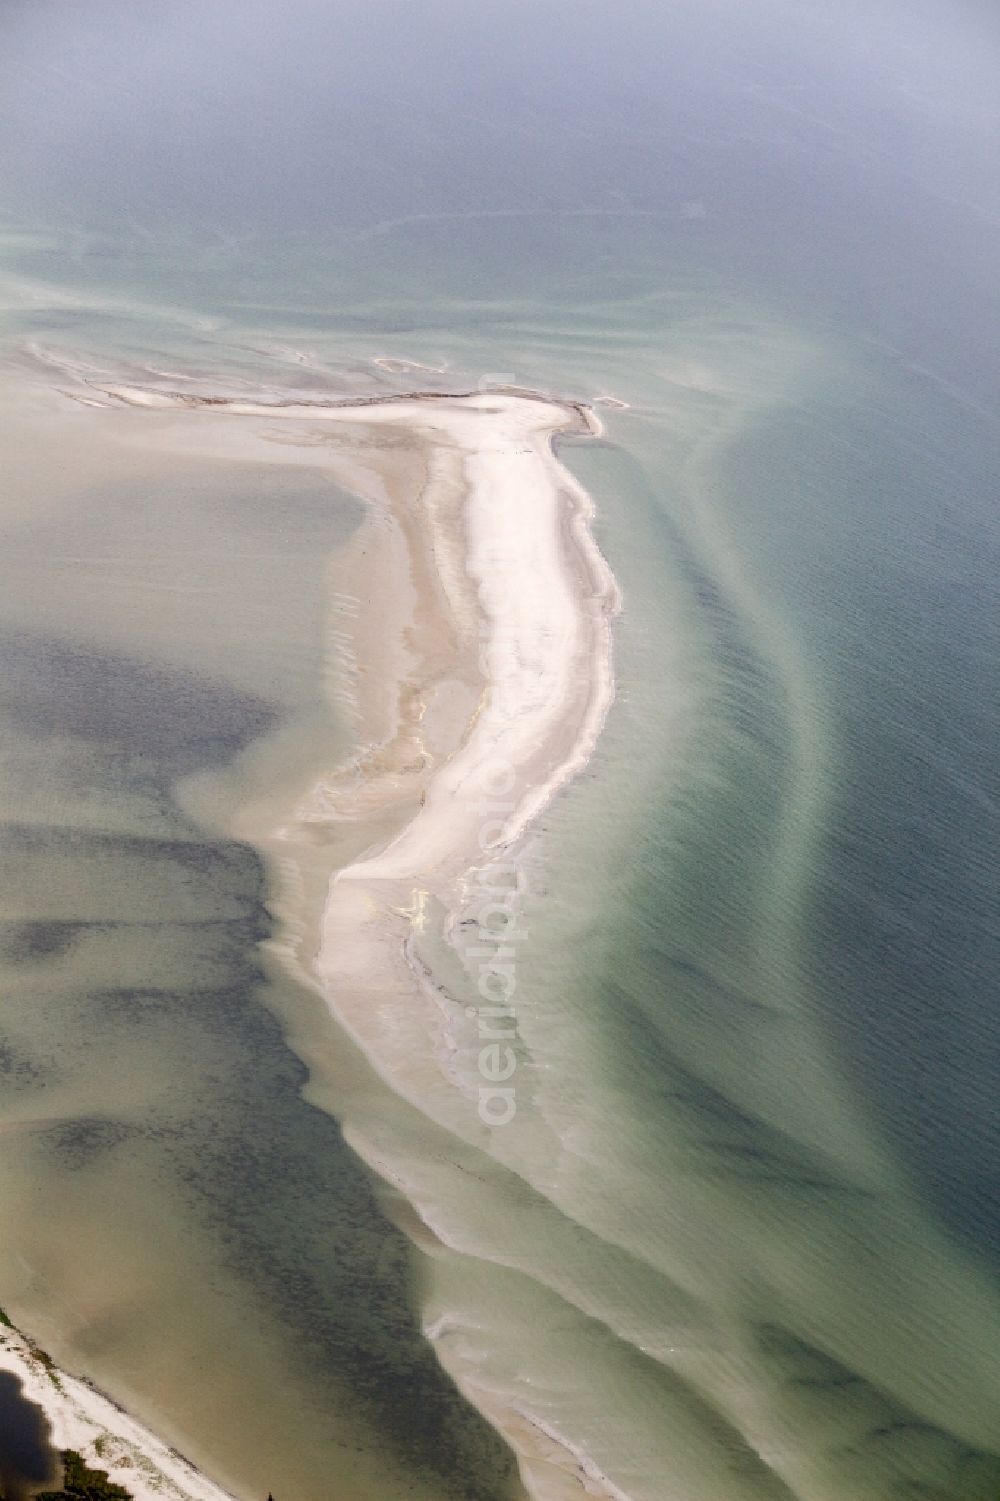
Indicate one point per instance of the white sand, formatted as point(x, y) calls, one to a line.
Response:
point(545, 597)
point(488, 726)
point(107, 1438)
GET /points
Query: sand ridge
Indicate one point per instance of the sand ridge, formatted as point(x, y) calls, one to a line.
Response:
point(481, 650)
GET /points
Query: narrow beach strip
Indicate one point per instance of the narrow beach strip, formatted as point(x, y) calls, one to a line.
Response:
point(83, 1419)
point(481, 647)
point(500, 549)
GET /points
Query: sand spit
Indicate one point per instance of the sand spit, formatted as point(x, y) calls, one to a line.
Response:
point(481, 651)
point(82, 1418)
point(506, 678)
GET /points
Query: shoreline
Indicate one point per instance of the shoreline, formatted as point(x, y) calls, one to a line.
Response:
point(481, 658)
point(83, 1418)
point(507, 656)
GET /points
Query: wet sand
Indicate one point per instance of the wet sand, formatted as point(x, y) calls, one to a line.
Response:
point(481, 651)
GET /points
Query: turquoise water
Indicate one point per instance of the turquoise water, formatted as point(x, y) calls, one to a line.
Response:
point(742, 1239)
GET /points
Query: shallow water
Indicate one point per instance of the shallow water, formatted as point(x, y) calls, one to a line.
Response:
point(157, 1149)
point(742, 1238)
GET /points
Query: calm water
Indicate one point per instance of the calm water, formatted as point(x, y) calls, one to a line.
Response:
point(743, 1239)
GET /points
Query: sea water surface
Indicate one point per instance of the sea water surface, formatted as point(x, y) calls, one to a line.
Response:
point(741, 1239)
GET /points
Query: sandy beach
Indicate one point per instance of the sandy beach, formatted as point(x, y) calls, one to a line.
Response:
point(480, 655)
point(83, 1419)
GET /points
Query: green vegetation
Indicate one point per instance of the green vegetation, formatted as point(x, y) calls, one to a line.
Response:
point(83, 1484)
point(48, 1365)
point(4, 1320)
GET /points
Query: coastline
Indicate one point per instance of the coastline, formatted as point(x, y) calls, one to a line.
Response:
point(480, 653)
point(82, 1418)
point(375, 902)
